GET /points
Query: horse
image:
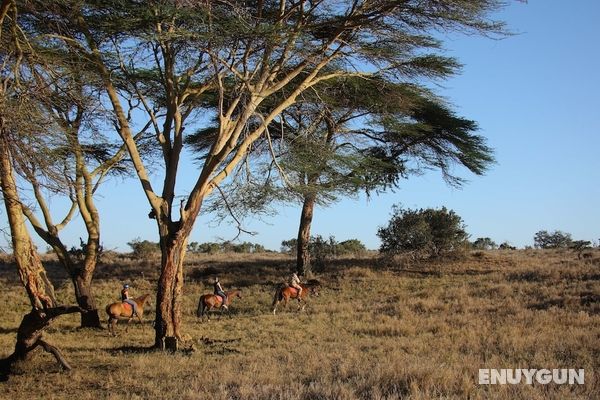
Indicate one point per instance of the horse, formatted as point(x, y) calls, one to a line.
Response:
point(285, 293)
point(209, 301)
point(123, 310)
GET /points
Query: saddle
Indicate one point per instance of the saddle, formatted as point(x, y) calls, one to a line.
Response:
point(219, 297)
point(128, 307)
point(293, 290)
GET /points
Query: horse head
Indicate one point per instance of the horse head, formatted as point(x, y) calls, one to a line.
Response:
point(144, 300)
point(313, 286)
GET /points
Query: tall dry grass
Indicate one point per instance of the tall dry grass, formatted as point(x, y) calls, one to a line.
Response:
point(376, 332)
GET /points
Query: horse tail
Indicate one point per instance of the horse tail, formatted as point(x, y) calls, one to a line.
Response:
point(110, 312)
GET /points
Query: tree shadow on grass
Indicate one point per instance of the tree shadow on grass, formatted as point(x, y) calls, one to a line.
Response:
point(7, 330)
point(219, 346)
point(119, 351)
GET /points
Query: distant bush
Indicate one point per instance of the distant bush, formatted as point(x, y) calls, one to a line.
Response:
point(506, 246)
point(579, 246)
point(143, 248)
point(321, 248)
point(484, 244)
point(225, 247)
point(80, 252)
point(422, 233)
point(289, 246)
point(553, 240)
point(351, 246)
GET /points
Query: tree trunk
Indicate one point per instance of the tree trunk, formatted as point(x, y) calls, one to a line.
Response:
point(33, 275)
point(80, 276)
point(170, 288)
point(303, 262)
point(83, 279)
point(90, 317)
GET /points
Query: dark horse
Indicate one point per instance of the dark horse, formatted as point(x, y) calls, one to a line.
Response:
point(123, 310)
point(285, 293)
point(209, 301)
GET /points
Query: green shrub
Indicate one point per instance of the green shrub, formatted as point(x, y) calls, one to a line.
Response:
point(143, 248)
point(553, 240)
point(422, 233)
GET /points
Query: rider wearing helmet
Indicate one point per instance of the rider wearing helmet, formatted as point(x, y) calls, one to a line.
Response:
point(219, 291)
point(125, 298)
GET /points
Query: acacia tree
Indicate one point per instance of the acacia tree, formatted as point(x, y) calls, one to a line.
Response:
point(72, 162)
point(171, 54)
point(17, 116)
point(31, 271)
point(358, 134)
point(70, 157)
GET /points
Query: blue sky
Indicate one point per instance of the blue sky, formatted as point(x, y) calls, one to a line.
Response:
point(536, 98)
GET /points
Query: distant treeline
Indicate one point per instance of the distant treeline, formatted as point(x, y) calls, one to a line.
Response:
point(319, 246)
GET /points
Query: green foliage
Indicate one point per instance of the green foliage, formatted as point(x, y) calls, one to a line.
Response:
point(579, 246)
point(225, 247)
point(143, 248)
point(80, 252)
point(351, 246)
point(326, 248)
point(552, 240)
point(289, 246)
point(484, 244)
point(422, 233)
point(506, 246)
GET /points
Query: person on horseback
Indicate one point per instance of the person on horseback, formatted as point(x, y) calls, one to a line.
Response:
point(220, 292)
point(125, 298)
point(295, 283)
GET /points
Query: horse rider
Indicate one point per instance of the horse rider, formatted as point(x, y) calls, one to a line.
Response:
point(125, 298)
point(220, 292)
point(295, 283)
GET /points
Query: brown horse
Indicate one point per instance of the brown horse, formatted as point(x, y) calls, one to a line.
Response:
point(285, 293)
point(209, 301)
point(123, 310)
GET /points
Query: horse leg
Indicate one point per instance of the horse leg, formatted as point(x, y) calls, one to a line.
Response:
point(276, 300)
point(200, 310)
point(113, 326)
point(302, 304)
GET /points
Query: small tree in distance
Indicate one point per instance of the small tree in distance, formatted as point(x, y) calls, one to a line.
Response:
point(422, 233)
point(553, 240)
point(143, 249)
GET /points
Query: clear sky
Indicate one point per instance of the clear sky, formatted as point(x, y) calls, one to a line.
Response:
point(536, 98)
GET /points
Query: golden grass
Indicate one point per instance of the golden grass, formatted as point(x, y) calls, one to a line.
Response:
point(374, 333)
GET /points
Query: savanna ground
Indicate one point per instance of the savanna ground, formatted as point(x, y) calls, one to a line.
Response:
point(414, 331)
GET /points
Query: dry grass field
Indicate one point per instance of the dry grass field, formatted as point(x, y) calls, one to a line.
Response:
point(376, 332)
